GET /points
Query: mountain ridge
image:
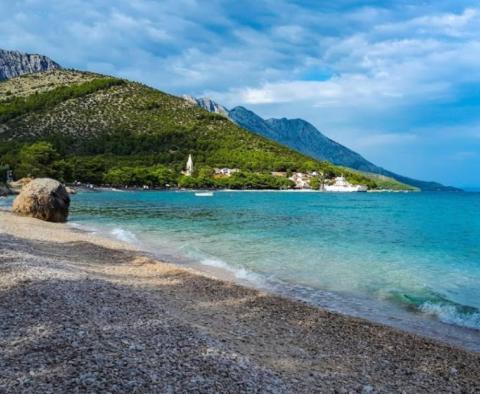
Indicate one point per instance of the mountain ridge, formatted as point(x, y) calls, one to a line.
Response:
point(60, 85)
point(15, 63)
point(207, 104)
point(80, 126)
point(302, 136)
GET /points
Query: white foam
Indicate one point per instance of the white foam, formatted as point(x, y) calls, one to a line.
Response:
point(239, 273)
point(216, 263)
point(450, 314)
point(77, 225)
point(124, 235)
point(87, 228)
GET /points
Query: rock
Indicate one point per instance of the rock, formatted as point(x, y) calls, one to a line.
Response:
point(207, 104)
point(43, 198)
point(14, 64)
point(70, 190)
point(4, 191)
point(367, 389)
point(17, 186)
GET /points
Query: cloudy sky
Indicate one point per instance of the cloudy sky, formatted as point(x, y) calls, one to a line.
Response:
point(397, 81)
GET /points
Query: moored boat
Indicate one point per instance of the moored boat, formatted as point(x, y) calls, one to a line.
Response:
point(341, 185)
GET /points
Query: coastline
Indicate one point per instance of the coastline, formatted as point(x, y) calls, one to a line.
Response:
point(220, 190)
point(184, 328)
point(435, 321)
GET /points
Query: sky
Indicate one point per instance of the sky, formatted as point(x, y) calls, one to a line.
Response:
point(397, 81)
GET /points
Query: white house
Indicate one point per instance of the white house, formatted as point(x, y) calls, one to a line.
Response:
point(302, 181)
point(226, 171)
point(189, 167)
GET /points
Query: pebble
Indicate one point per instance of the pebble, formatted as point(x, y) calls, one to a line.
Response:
point(123, 331)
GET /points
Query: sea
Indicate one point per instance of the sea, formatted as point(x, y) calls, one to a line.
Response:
point(408, 260)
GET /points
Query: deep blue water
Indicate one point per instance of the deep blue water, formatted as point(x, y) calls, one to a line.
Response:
point(361, 253)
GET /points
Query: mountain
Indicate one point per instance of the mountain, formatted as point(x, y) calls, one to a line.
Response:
point(14, 64)
point(89, 127)
point(305, 138)
point(207, 104)
point(302, 136)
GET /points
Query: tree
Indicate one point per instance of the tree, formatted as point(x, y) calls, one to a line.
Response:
point(139, 176)
point(37, 160)
point(3, 172)
point(315, 182)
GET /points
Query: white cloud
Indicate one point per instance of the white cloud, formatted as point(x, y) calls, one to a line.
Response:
point(450, 24)
point(392, 67)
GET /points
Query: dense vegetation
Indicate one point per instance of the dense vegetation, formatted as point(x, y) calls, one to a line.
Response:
point(108, 131)
point(17, 106)
point(3, 173)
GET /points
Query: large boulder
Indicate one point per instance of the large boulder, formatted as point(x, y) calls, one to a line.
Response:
point(43, 198)
point(17, 186)
point(70, 190)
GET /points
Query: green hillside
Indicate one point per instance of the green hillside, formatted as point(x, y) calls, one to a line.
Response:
point(92, 128)
point(384, 182)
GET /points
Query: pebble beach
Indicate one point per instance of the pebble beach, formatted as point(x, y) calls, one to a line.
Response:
point(80, 313)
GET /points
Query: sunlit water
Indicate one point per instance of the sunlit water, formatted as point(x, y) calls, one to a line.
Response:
point(409, 260)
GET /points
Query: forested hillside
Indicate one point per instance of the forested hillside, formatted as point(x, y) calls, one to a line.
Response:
point(91, 128)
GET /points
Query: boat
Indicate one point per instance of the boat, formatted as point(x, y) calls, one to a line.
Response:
point(342, 186)
point(204, 194)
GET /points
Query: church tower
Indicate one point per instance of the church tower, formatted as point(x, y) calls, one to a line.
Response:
point(189, 169)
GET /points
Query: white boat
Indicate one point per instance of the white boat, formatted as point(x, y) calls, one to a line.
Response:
point(204, 194)
point(342, 186)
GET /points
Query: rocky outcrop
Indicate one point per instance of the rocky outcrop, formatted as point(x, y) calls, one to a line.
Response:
point(207, 104)
point(14, 63)
point(44, 199)
point(17, 186)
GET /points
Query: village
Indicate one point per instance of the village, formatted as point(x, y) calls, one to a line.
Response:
point(312, 180)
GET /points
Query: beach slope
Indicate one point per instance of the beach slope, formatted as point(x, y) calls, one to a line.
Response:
point(82, 313)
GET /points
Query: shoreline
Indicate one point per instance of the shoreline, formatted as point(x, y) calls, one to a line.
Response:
point(346, 304)
point(268, 342)
point(174, 190)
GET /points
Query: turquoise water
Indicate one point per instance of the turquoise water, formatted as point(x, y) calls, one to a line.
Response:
point(391, 254)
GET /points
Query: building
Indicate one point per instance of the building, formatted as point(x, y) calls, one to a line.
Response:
point(189, 167)
point(226, 171)
point(301, 180)
point(279, 173)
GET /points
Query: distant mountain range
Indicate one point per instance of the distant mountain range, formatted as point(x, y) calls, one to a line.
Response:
point(302, 136)
point(14, 64)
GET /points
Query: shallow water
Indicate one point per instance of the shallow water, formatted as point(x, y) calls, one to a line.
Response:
point(411, 260)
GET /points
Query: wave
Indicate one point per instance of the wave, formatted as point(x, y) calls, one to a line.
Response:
point(118, 233)
point(124, 235)
point(422, 301)
point(438, 306)
point(452, 315)
point(239, 273)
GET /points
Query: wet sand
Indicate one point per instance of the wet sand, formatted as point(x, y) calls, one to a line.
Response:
point(81, 313)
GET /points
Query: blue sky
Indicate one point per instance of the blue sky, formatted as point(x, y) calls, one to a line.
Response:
point(397, 81)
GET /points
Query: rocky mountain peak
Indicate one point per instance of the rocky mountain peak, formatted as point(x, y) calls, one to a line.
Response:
point(207, 104)
point(15, 63)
